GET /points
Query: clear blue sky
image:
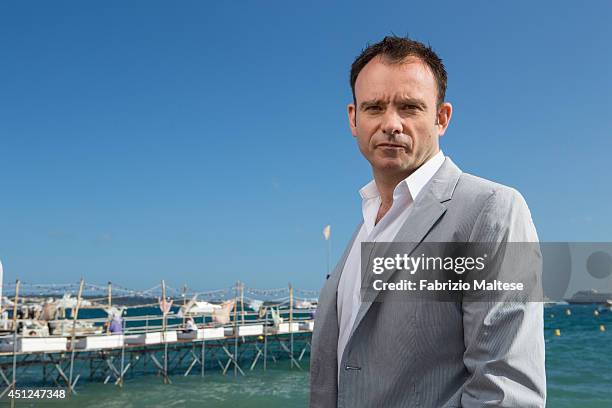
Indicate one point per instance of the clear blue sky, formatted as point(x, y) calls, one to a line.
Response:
point(206, 142)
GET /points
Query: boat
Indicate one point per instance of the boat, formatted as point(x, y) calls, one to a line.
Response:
point(34, 328)
point(606, 307)
point(68, 302)
point(195, 308)
point(592, 296)
point(303, 304)
point(81, 328)
point(550, 303)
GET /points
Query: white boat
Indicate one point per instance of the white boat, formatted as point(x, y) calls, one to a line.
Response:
point(34, 328)
point(81, 328)
point(193, 308)
point(68, 302)
point(303, 304)
point(200, 308)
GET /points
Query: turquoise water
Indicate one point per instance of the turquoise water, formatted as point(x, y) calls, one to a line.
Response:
point(579, 362)
point(277, 387)
point(579, 374)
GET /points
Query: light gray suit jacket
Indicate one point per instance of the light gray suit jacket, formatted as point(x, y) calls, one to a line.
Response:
point(437, 354)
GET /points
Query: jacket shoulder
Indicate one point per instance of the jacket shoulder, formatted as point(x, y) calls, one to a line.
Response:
point(500, 211)
point(480, 190)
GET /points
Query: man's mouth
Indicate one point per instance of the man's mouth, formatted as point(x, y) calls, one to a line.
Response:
point(391, 145)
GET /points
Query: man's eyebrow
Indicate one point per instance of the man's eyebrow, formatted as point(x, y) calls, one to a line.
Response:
point(412, 101)
point(371, 102)
point(401, 101)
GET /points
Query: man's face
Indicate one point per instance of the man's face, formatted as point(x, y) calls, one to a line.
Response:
point(395, 120)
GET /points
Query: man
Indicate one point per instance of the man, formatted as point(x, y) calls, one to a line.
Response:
point(409, 354)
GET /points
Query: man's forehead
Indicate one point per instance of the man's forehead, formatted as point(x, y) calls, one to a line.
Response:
point(395, 98)
point(411, 78)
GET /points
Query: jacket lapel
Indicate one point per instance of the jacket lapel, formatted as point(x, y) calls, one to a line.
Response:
point(424, 213)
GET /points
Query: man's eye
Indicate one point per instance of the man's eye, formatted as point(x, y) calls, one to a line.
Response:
point(409, 107)
point(373, 108)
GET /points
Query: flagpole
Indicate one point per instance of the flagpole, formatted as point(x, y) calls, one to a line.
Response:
point(327, 236)
point(329, 256)
point(1, 285)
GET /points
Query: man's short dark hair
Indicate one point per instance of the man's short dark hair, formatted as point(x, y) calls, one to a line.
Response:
point(395, 50)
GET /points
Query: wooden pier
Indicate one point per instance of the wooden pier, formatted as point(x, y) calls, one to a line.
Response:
point(158, 345)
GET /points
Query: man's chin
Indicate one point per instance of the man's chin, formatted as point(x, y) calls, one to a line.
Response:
point(392, 167)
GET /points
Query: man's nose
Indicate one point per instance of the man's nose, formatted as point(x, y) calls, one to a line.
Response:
point(392, 123)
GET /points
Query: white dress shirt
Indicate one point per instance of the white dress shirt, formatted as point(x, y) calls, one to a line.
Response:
point(348, 300)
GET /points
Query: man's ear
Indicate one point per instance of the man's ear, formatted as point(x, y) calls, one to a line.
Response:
point(444, 116)
point(352, 117)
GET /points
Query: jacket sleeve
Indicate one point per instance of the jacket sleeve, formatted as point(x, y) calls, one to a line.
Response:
point(504, 339)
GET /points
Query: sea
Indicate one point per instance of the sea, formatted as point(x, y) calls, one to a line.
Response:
point(578, 370)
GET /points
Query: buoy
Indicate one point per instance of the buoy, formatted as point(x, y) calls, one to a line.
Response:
point(602, 328)
point(557, 332)
point(260, 338)
point(595, 312)
point(552, 316)
point(568, 312)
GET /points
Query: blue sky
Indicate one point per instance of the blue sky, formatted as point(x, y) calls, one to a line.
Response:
point(207, 142)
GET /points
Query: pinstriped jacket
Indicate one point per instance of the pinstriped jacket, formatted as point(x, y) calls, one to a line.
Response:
point(437, 354)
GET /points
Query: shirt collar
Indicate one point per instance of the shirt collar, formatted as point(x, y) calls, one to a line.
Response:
point(413, 184)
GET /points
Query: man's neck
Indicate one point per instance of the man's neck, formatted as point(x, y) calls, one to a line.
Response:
point(386, 183)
